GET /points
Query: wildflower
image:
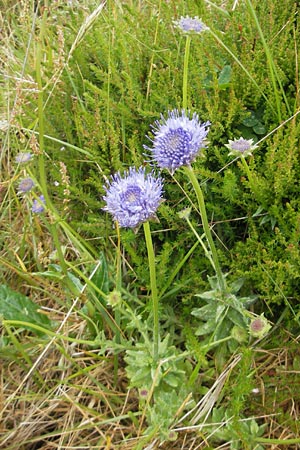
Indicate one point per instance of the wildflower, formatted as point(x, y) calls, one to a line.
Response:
point(114, 298)
point(185, 213)
point(22, 158)
point(190, 25)
point(133, 198)
point(241, 147)
point(178, 139)
point(172, 435)
point(144, 394)
point(259, 327)
point(26, 185)
point(38, 205)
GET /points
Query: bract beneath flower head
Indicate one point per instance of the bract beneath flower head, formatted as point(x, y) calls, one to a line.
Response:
point(178, 139)
point(134, 197)
point(241, 147)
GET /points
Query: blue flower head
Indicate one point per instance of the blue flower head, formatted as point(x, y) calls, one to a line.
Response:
point(26, 185)
point(134, 197)
point(23, 157)
point(190, 24)
point(38, 205)
point(178, 139)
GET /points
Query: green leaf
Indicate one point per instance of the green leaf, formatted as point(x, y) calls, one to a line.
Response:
point(206, 328)
point(236, 317)
point(100, 277)
point(259, 128)
point(224, 77)
point(16, 306)
point(251, 120)
point(206, 312)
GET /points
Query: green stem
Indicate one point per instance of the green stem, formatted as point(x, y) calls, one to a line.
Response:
point(193, 179)
point(247, 170)
point(151, 261)
point(117, 311)
point(185, 71)
point(21, 323)
point(277, 441)
point(207, 253)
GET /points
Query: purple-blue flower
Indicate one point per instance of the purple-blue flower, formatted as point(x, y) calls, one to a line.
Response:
point(26, 185)
point(38, 205)
point(134, 197)
point(241, 147)
point(190, 24)
point(178, 139)
point(24, 157)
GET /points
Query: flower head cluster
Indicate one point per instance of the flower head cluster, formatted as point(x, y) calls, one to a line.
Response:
point(190, 24)
point(24, 157)
point(241, 147)
point(178, 139)
point(38, 205)
point(134, 197)
point(26, 185)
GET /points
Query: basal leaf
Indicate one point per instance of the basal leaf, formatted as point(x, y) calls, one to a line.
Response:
point(16, 306)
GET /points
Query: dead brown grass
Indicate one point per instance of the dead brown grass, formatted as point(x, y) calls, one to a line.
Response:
point(70, 401)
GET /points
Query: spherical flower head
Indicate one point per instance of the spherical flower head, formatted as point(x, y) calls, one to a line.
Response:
point(178, 139)
point(25, 185)
point(38, 205)
point(241, 147)
point(190, 24)
point(22, 158)
point(134, 197)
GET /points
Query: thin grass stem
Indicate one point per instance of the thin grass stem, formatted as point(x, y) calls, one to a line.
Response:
point(272, 68)
point(235, 58)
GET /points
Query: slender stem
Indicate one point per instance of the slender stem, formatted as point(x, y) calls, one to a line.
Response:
point(277, 441)
point(247, 170)
point(236, 59)
point(151, 261)
point(193, 179)
point(117, 311)
point(153, 53)
point(207, 253)
point(272, 68)
point(41, 158)
point(185, 71)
